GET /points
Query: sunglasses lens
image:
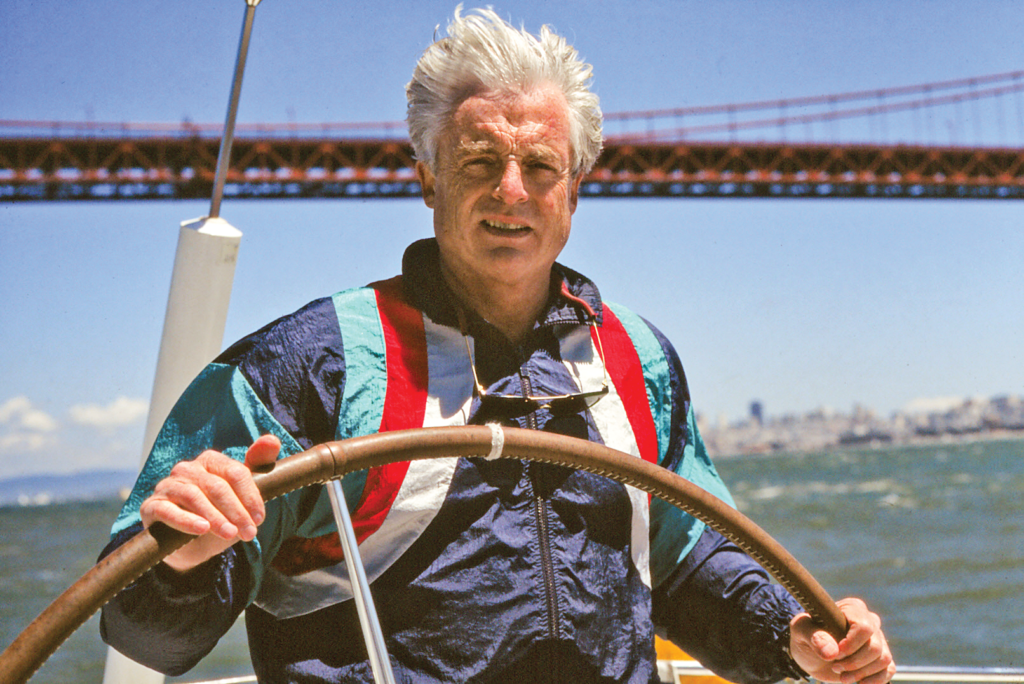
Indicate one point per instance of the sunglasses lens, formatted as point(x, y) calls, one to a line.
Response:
point(575, 403)
point(502, 407)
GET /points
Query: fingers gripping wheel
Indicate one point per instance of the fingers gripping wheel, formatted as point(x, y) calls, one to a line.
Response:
point(334, 459)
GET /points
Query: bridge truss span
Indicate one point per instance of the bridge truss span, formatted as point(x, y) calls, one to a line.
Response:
point(162, 166)
point(808, 170)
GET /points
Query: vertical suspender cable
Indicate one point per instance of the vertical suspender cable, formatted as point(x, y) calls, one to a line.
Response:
point(372, 634)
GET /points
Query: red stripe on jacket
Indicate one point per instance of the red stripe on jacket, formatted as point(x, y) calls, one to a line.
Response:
point(627, 375)
point(404, 407)
point(404, 401)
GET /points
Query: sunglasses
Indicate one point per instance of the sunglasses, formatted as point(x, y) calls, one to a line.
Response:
point(509, 406)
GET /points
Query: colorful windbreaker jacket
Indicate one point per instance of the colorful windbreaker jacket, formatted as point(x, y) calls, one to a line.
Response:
point(482, 571)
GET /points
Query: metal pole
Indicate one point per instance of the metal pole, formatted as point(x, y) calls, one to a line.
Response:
point(224, 155)
point(379, 662)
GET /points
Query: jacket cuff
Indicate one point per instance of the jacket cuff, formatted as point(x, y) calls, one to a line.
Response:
point(168, 621)
point(792, 670)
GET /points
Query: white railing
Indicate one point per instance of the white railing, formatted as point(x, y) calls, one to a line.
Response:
point(678, 672)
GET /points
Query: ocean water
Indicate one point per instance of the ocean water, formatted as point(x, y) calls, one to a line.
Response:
point(932, 537)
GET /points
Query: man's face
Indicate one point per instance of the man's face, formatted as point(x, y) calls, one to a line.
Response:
point(502, 190)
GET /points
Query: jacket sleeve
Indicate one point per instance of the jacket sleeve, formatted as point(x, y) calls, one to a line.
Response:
point(709, 597)
point(169, 621)
point(282, 380)
point(722, 608)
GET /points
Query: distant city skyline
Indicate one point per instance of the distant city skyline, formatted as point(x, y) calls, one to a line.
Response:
point(821, 429)
point(918, 406)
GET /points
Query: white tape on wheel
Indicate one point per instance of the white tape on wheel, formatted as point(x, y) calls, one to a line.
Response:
point(497, 441)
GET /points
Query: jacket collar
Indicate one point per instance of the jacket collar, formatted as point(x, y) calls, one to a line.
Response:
point(573, 299)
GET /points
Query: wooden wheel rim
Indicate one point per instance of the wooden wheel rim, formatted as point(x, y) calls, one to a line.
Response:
point(332, 460)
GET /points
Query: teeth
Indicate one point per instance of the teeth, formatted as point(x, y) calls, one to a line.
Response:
point(504, 226)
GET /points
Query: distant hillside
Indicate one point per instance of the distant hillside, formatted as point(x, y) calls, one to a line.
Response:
point(83, 486)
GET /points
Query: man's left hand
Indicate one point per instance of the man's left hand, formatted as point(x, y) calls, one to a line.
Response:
point(861, 656)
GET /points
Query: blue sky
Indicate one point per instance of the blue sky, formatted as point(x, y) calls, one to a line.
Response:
point(796, 303)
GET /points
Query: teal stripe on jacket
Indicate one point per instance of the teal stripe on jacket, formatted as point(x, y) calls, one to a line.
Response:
point(673, 532)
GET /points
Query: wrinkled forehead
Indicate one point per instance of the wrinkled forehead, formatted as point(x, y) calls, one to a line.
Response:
point(504, 119)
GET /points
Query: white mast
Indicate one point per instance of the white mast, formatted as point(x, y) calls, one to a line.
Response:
point(197, 308)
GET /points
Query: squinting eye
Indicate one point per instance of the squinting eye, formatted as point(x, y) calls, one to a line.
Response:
point(543, 166)
point(479, 165)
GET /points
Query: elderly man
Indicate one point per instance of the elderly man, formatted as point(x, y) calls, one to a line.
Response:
point(483, 571)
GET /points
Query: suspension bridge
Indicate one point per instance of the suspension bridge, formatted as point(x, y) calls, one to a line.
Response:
point(958, 139)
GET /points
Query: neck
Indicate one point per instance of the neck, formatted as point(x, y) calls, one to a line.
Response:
point(512, 309)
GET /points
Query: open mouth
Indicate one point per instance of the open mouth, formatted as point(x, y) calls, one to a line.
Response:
point(505, 228)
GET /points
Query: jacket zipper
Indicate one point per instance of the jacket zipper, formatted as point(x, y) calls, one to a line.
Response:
point(540, 509)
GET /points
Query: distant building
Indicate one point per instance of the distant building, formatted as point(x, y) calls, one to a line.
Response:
point(757, 412)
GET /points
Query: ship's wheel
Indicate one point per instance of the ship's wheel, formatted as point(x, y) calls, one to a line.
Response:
point(333, 460)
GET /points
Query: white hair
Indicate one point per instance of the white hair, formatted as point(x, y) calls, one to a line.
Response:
point(483, 52)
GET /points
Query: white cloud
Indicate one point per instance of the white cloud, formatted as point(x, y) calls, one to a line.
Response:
point(26, 441)
point(26, 429)
point(89, 436)
point(119, 413)
point(21, 415)
point(12, 407)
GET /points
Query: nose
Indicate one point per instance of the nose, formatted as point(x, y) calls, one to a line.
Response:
point(510, 188)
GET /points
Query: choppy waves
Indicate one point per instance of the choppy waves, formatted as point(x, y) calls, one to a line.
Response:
point(932, 537)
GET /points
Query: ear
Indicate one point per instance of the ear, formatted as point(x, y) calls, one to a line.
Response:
point(574, 192)
point(426, 179)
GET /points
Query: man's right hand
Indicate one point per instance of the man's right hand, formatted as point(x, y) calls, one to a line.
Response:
point(213, 497)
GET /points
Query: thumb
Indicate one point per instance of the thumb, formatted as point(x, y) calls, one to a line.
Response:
point(812, 647)
point(824, 644)
point(262, 452)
